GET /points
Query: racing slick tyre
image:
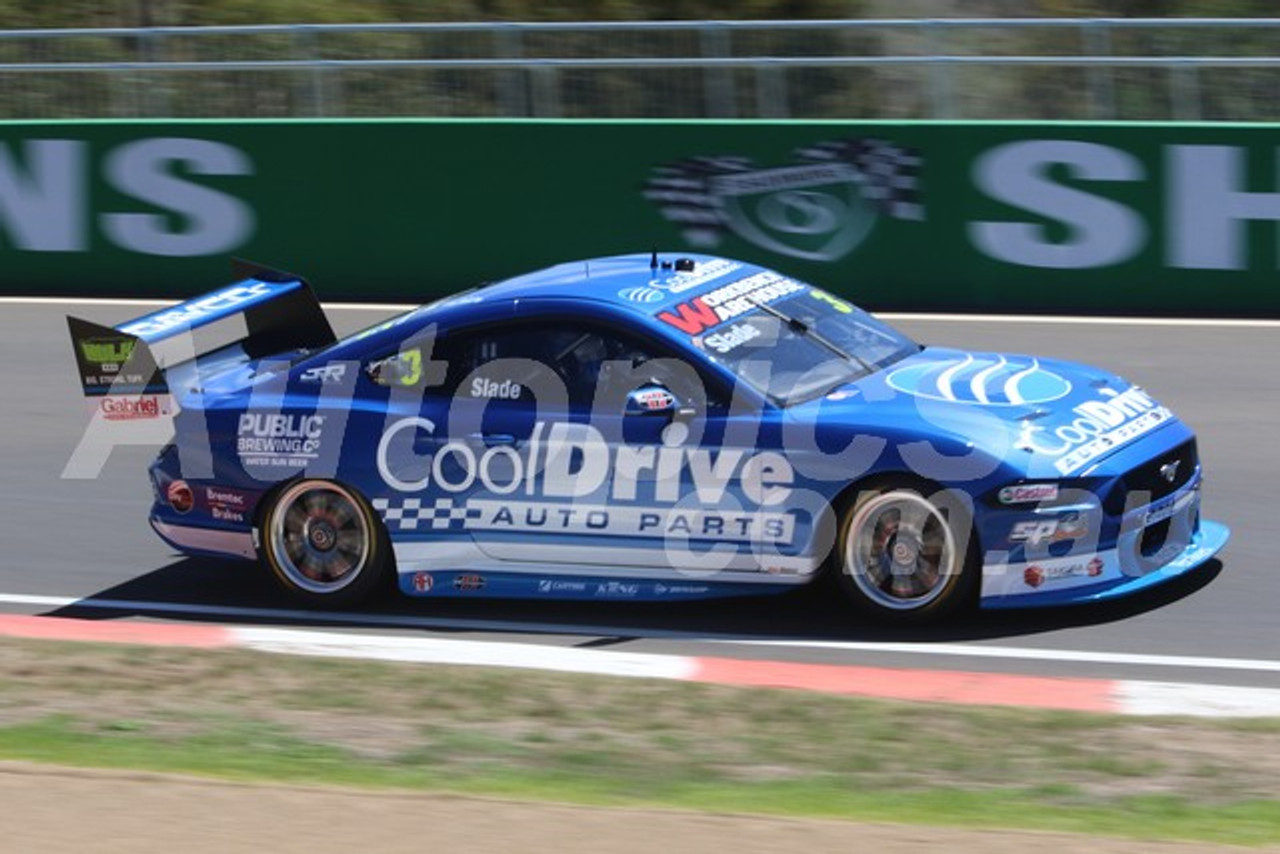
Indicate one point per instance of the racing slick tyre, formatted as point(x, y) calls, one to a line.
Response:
point(907, 553)
point(324, 544)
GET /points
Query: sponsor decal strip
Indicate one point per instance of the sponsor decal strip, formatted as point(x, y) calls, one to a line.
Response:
point(605, 520)
point(215, 304)
point(991, 689)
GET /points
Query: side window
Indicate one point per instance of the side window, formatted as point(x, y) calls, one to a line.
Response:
point(507, 363)
point(593, 363)
point(595, 366)
point(524, 358)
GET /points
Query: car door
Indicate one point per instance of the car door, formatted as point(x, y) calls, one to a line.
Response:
point(593, 447)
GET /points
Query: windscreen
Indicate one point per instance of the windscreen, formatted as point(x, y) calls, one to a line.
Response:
point(803, 344)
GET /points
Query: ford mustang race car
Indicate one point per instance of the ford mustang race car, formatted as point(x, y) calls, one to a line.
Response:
point(643, 427)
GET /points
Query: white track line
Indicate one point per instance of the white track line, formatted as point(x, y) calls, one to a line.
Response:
point(1026, 654)
point(469, 653)
point(1060, 319)
point(924, 649)
point(1202, 701)
point(1127, 696)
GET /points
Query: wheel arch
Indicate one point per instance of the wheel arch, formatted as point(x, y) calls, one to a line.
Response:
point(384, 548)
point(881, 481)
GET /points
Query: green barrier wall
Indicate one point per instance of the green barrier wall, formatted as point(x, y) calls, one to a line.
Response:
point(1079, 218)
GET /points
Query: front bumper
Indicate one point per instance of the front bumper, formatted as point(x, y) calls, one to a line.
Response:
point(1116, 573)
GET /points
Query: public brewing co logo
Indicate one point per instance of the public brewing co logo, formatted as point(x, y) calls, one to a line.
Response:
point(820, 207)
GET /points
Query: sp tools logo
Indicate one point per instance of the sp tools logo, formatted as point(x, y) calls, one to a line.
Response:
point(988, 380)
point(820, 207)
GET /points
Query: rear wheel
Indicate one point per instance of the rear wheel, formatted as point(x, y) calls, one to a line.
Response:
point(324, 544)
point(906, 556)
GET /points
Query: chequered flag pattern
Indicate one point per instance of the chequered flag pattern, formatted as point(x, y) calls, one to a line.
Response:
point(410, 514)
point(891, 172)
point(682, 190)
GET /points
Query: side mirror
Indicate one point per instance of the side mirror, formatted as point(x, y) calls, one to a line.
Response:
point(652, 400)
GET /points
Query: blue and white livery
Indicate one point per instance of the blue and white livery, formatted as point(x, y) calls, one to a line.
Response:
point(644, 428)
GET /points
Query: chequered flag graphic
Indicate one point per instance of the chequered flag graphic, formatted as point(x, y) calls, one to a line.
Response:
point(410, 514)
point(682, 192)
point(890, 181)
point(891, 172)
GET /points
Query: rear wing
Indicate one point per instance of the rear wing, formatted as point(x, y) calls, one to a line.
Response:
point(280, 313)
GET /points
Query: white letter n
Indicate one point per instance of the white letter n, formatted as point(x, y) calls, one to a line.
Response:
point(43, 207)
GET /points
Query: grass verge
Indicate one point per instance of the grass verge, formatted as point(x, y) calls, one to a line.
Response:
point(594, 740)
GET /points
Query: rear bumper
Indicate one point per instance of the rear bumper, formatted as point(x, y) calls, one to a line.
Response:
point(189, 539)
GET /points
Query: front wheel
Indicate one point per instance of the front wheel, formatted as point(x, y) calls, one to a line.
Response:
point(905, 557)
point(324, 545)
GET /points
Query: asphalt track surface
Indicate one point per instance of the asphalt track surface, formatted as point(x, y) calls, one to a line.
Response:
point(83, 547)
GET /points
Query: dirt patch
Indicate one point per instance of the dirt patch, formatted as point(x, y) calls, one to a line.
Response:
point(244, 715)
point(53, 811)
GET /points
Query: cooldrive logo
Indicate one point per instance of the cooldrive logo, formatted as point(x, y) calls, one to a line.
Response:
point(218, 302)
point(992, 381)
point(1098, 427)
point(715, 307)
point(268, 439)
point(563, 460)
point(820, 207)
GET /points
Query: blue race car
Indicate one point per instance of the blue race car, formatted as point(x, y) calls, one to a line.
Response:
point(644, 427)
